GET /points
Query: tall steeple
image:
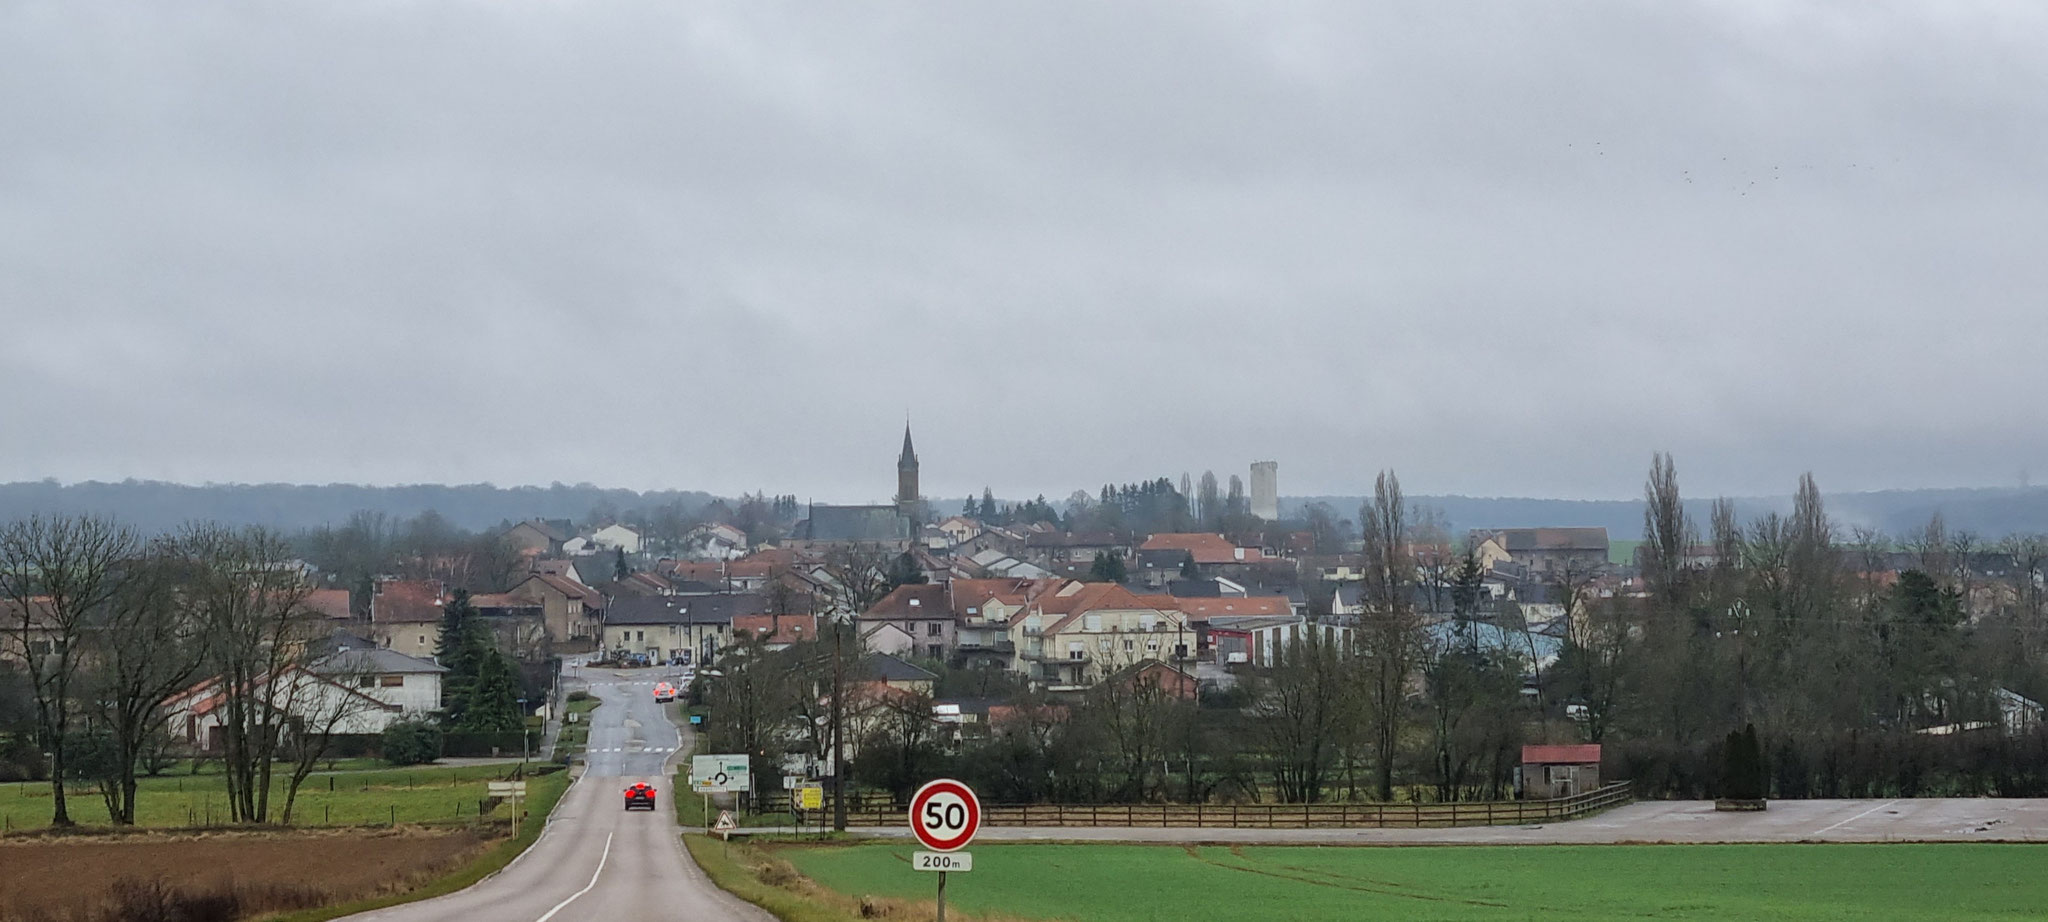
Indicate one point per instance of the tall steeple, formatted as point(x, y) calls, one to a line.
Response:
point(906, 475)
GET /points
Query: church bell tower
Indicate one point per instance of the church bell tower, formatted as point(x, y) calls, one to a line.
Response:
point(906, 476)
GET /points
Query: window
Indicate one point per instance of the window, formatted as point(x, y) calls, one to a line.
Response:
point(934, 629)
point(366, 681)
point(1075, 650)
point(391, 681)
point(642, 637)
point(1129, 645)
point(1091, 622)
point(935, 651)
point(1031, 625)
point(1152, 647)
point(1147, 620)
point(423, 640)
point(1103, 645)
point(41, 647)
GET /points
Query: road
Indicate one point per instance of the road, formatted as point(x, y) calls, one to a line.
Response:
point(596, 861)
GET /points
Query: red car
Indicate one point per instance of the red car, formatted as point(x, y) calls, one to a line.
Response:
point(640, 795)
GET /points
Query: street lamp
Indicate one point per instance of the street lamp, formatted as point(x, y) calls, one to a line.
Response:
point(525, 729)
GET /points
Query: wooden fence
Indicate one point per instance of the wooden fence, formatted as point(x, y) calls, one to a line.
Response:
point(1276, 816)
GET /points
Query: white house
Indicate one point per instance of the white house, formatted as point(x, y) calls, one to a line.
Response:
point(411, 684)
point(198, 716)
point(616, 537)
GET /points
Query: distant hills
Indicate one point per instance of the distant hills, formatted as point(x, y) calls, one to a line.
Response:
point(154, 506)
point(1991, 513)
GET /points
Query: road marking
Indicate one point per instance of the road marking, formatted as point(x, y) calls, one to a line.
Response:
point(586, 887)
point(1856, 817)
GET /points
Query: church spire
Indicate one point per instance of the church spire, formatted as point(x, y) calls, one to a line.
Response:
point(906, 476)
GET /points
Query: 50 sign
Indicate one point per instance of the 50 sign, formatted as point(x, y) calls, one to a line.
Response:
point(945, 815)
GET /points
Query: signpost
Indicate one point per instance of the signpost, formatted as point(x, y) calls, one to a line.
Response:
point(510, 789)
point(719, 774)
point(944, 815)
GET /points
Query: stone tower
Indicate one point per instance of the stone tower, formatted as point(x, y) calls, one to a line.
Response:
point(1266, 490)
point(906, 476)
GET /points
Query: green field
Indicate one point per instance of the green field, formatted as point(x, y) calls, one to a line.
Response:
point(413, 795)
point(1129, 883)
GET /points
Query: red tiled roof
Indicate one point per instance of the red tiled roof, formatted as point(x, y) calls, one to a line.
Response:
point(1561, 755)
point(912, 601)
point(794, 628)
point(590, 598)
point(332, 603)
point(1204, 609)
point(1207, 548)
point(406, 601)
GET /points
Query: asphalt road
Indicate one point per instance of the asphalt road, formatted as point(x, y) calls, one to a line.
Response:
point(596, 861)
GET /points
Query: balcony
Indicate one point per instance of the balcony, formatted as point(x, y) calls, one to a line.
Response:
point(1055, 657)
point(1003, 646)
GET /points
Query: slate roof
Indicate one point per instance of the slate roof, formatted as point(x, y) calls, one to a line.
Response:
point(854, 523)
point(926, 601)
point(696, 609)
point(890, 669)
point(357, 661)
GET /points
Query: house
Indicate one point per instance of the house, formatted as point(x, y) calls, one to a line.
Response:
point(1084, 631)
point(519, 624)
point(897, 673)
point(564, 567)
point(332, 604)
point(715, 541)
point(405, 615)
point(1048, 548)
point(690, 629)
point(997, 564)
point(40, 636)
point(408, 683)
point(960, 529)
point(923, 612)
point(1551, 550)
point(1163, 556)
point(300, 698)
point(1550, 771)
point(1174, 681)
point(616, 537)
point(540, 536)
point(887, 637)
point(570, 610)
point(776, 632)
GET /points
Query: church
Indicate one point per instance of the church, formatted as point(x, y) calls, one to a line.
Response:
point(894, 526)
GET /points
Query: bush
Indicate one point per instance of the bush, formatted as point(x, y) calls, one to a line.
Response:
point(579, 695)
point(412, 742)
point(1744, 777)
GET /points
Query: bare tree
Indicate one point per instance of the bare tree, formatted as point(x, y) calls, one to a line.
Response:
point(1389, 634)
point(1304, 709)
point(250, 602)
point(56, 576)
point(322, 700)
point(144, 648)
point(1667, 537)
point(860, 576)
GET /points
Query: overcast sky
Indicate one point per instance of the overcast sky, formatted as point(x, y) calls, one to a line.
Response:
point(1506, 248)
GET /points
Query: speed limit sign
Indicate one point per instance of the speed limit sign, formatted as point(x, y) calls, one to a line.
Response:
point(945, 815)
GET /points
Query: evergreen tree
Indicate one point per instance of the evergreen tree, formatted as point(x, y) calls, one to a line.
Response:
point(494, 700)
point(904, 571)
point(1188, 570)
point(465, 642)
point(1107, 568)
point(988, 505)
point(619, 568)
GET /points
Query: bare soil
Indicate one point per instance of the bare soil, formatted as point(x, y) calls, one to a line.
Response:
point(60, 878)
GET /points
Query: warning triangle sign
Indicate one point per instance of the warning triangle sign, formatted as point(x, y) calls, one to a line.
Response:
point(725, 821)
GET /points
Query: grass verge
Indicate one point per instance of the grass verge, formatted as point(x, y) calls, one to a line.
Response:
point(544, 792)
point(761, 877)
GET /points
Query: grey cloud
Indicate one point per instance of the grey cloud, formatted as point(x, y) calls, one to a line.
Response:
point(1503, 247)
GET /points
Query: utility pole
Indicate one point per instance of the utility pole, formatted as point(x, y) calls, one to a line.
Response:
point(838, 704)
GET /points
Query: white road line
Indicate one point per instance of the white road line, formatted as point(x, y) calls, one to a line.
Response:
point(1856, 817)
point(586, 887)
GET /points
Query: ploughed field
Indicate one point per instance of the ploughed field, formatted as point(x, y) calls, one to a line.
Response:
point(427, 794)
point(109, 877)
point(1127, 883)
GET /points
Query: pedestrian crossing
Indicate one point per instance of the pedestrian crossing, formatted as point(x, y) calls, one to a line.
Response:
point(655, 751)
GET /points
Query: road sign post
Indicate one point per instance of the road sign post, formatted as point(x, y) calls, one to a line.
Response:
point(511, 789)
point(944, 815)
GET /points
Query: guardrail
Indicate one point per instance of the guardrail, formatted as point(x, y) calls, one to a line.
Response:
point(1278, 816)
